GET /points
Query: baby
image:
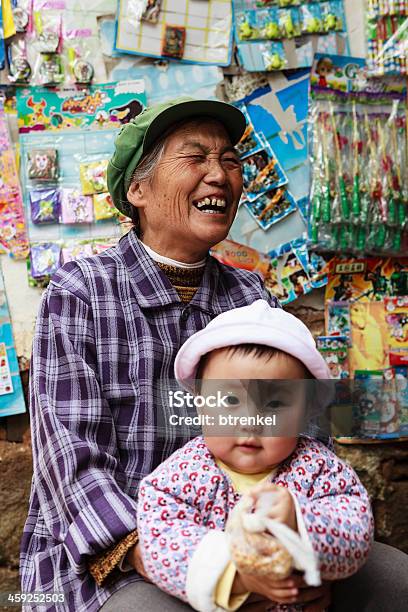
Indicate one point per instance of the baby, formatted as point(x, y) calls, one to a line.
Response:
point(183, 506)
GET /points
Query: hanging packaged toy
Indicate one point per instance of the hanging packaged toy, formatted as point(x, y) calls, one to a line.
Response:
point(47, 30)
point(333, 16)
point(152, 11)
point(271, 207)
point(273, 56)
point(250, 141)
point(338, 319)
point(76, 250)
point(103, 206)
point(78, 45)
point(21, 15)
point(42, 164)
point(45, 259)
point(19, 67)
point(93, 177)
point(334, 350)
point(174, 39)
point(311, 19)
point(261, 172)
point(45, 205)
point(75, 207)
point(289, 22)
point(268, 24)
point(247, 26)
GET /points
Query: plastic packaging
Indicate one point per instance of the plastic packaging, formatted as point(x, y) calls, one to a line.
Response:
point(262, 546)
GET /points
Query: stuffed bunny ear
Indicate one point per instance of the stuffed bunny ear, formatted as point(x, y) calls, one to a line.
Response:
point(303, 555)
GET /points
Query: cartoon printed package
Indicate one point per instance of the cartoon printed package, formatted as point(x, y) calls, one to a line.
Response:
point(93, 176)
point(42, 164)
point(367, 403)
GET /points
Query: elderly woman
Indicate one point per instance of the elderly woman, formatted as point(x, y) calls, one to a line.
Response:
point(108, 331)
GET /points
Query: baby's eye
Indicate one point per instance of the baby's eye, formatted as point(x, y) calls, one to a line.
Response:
point(232, 400)
point(273, 404)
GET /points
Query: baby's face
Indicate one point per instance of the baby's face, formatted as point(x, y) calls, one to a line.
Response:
point(252, 449)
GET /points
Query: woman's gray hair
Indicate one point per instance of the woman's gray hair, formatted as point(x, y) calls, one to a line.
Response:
point(145, 172)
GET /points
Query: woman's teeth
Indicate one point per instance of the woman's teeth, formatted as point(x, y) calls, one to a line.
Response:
point(211, 205)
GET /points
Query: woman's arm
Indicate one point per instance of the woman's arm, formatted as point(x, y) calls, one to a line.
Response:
point(77, 475)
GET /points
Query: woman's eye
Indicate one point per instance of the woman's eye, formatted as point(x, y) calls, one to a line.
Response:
point(273, 405)
point(232, 160)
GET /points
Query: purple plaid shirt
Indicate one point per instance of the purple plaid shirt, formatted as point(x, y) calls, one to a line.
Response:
point(109, 328)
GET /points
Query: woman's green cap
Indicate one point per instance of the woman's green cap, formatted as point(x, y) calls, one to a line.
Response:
point(136, 137)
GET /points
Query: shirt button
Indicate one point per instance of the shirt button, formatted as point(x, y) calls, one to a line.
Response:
point(184, 314)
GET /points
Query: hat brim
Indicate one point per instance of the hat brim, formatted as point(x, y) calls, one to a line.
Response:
point(231, 118)
point(207, 340)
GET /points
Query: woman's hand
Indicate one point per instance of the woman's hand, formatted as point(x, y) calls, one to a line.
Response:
point(134, 558)
point(288, 591)
point(283, 509)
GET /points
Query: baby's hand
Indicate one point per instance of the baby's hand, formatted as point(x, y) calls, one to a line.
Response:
point(283, 508)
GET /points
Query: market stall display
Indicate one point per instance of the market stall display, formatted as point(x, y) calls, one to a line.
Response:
point(324, 175)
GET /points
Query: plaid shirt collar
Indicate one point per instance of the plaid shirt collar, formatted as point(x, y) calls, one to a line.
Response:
point(153, 288)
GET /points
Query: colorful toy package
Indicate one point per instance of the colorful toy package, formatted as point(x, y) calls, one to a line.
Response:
point(373, 291)
point(11, 389)
point(103, 106)
point(261, 172)
point(271, 207)
point(286, 34)
point(367, 403)
point(93, 177)
point(240, 256)
point(13, 236)
point(334, 350)
point(359, 187)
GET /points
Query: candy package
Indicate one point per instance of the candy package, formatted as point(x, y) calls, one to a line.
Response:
point(93, 177)
point(42, 164)
point(103, 206)
point(261, 172)
point(45, 205)
point(271, 207)
point(44, 258)
point(75, 207)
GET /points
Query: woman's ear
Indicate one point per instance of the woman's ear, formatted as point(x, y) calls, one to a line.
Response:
point(136, 194)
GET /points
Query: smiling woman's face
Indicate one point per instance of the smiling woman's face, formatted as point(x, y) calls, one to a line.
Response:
point(191, 201)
